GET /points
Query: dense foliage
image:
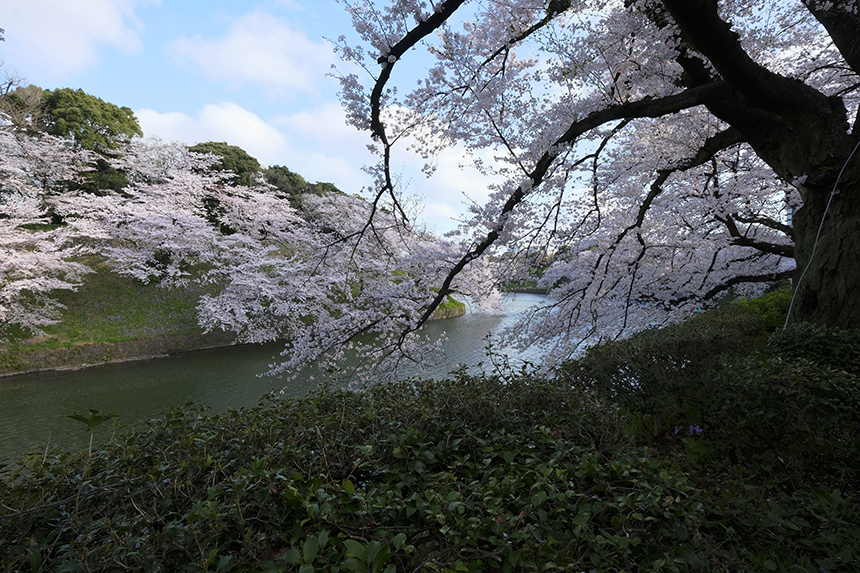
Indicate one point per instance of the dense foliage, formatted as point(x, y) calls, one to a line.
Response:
point(231, 158)
point(752, 468)
point(86, 120)
point(294, 185)
point(89, 121)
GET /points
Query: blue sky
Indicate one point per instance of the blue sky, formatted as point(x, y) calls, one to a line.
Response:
point(253, 74)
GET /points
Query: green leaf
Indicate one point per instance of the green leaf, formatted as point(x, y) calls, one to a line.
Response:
point(94, 420)
point(377, 555)
point(271, 567)
point(348, 486)
point(226, 563)
point(311, 549)
point(355, 549)
point(292, 556)
point(355, 565)
point(35, 557)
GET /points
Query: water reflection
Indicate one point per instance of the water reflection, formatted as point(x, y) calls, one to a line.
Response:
point(34, 408)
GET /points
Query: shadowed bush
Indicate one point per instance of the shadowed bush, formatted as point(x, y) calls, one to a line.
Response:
point(662, 372)
point(754, 470)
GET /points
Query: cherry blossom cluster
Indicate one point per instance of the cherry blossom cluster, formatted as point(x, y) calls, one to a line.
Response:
point(328, 276)
point(639, 205)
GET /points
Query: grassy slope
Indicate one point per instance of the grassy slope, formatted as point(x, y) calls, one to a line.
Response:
point(449, 309)
point(108, 309)
point(111, 308)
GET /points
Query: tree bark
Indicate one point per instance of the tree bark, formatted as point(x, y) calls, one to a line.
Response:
point(827, 283)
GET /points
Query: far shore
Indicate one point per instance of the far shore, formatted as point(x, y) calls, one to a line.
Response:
point(88, 355)
point(528, 290)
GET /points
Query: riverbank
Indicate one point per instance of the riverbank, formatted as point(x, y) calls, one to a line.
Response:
point(34, 407)
point(528, 290)
point(43, 358)
point(111, 318)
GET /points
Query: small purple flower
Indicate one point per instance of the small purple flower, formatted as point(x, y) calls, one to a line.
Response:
point(695, 430)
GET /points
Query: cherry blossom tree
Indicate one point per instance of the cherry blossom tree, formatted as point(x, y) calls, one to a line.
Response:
point(317, 269)
point(380, 281)
point(664, 152)
point(36, 257)
point(329, 277)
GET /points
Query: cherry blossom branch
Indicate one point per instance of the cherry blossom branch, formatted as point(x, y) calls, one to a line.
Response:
point(388, 61)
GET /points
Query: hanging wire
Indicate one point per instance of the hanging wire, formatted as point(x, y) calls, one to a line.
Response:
point(818, 235)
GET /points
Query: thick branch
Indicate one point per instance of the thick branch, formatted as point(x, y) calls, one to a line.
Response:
point(712, 146)
point(555, 8)
point(712, 36)
point(745, 279)
point(388, 61)
point(741, 240)
point(790, 125)
point(709, 149)
point(651, 107)
point(767, 222)
point(843, 27)
point(415, 35)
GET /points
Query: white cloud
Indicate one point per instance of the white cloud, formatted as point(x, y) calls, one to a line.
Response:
point(444, 196)
point(313, 143)
point(216, 122)
point(58, 38)
point(325, 128)
point(261, 49)
point(453, 186)
point(320, 146)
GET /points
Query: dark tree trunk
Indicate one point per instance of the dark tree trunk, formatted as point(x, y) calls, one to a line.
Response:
point(827, 287)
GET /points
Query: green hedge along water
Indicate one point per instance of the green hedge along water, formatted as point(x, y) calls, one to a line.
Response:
point(34, 408)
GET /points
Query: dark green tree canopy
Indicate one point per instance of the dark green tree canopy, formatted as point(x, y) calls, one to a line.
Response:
point(233, 159)
point(90, 122)
point(284, 180)
point(324, 188)
point(294, 185)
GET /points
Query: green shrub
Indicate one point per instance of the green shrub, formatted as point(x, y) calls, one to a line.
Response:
point(725, 387)
point(771, 308)
point(661, 372)
point(830, 347)
point(470, 474)
point(804, 413)
point(753, 469)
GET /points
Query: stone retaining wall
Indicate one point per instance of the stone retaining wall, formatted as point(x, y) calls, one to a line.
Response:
point(83, 355)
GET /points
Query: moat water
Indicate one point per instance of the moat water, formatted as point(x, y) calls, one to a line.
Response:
point(34, 408)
